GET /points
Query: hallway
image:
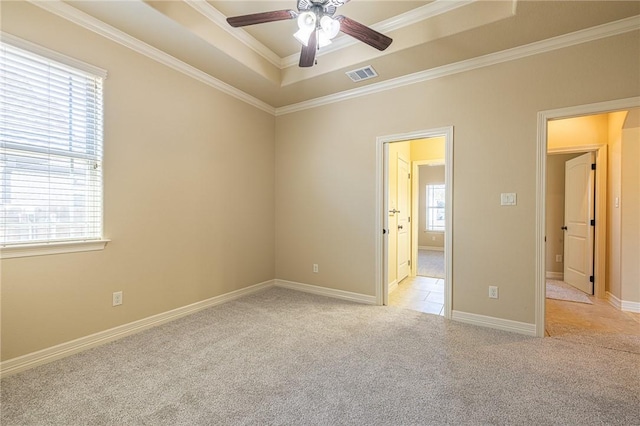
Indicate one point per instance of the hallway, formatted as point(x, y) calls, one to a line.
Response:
point(424, 294)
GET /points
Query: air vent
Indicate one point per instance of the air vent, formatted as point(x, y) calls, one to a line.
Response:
point(362, 74)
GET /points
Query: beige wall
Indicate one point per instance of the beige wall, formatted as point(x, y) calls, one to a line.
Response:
point(630, 210)
point(555, 210)
point(428, 149)
point(191, 203)
point(494, 113)
point(578, 131)
point(614, 190)
point(428, 175)
point(189, 199)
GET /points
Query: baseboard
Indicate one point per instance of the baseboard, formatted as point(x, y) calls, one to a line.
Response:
point(44, 356)
point(393, 286)
point(614, 301)
point(329, 292)
point(432, 248)
point(554, 276)
point(628, 306)
point(623, 305)
point(497, 323)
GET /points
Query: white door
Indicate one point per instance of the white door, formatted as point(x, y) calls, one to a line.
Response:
point(404, 230)
point(578, 213)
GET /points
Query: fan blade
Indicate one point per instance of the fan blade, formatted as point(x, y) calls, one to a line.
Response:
point(363, 33)
point(261, 18)
point(337, 3)
point(308, 54)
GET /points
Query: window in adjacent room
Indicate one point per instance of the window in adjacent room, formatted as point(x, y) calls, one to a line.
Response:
point(51, 124)
point(435, 207)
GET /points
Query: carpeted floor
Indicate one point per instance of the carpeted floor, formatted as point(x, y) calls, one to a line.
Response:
point(285, 357)
point(562, 291)
point(430, 263)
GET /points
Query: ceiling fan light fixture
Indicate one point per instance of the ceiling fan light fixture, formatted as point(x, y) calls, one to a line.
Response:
point(306, 25)
point(303, 36)
point(329, 28)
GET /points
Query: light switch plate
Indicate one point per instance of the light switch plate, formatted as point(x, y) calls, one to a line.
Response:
point(508, 199)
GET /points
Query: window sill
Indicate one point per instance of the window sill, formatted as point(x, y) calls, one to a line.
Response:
point(45, 249)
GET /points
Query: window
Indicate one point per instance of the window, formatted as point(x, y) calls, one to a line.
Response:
point(50, 149)
point(435, 207)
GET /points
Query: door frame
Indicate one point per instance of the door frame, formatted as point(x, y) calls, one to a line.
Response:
point(415, 195)
point(541, 192)
point(381, 234)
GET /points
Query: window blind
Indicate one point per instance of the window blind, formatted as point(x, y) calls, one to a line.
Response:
point(51, 125)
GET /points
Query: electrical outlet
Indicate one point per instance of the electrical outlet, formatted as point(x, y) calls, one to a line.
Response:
point(315, 268)
point(493, 292)
point(117, 298)
point(558, 258)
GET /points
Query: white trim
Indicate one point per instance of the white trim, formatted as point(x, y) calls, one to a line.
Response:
point(559, 276)
point(590, 34)
point(381, 219)
point(82, 19)
point(393, 286)
point(44, 356)
point(215, 16)
point(629, 306)
point(614, 301)
point(45, 249)
point(541, 170)
point(435, 8)
point(52, 54)
point(431, 248)
point(623, 305)
point(497, 323)
point(324, 291)
point(78, 17)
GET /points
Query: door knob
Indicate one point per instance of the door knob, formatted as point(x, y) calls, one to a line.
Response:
point(564, 228)
point(399, 226)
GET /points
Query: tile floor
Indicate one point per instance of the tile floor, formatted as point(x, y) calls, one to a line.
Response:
point(422, 294)
point(426, 294)
point(563, 317)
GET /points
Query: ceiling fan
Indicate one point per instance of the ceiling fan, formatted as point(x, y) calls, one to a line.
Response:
point(317, 26)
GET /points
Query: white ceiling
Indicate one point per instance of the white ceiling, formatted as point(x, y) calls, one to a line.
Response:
point(262, 60)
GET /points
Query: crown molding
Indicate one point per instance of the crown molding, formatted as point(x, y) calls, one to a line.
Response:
point(52, 54)
point(84, 20)
point(583, 36)
point(435, 8)
point(215, 16)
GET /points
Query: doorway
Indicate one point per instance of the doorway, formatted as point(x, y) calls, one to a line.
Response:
point(547, 120)
point(429, 189)
point(394, 154)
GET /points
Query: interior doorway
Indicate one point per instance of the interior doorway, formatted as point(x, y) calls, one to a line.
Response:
point(429, 209)
point(611, 118)
point(398, 216)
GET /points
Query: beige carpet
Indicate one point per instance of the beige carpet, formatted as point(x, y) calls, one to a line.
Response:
point(430, 263)
point(281, 357)
point(560, 290)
